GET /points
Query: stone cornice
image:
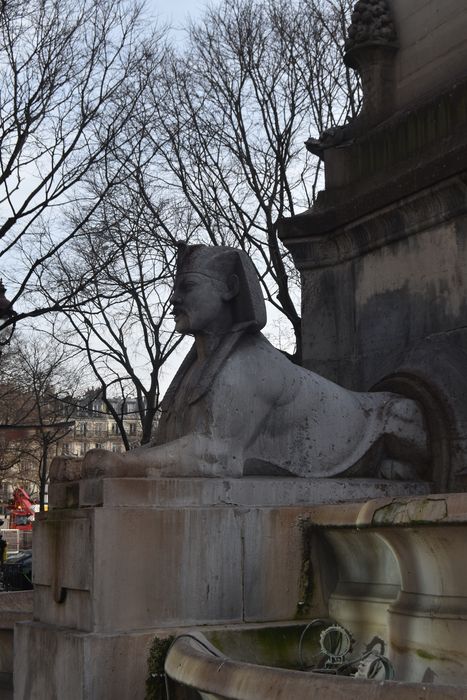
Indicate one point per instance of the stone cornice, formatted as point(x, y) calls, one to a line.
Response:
point(403, 158)
point(430, 207)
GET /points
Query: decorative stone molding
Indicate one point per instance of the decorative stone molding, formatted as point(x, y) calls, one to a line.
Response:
point(433, 373)
point(407, 154)
point(313, 249)
point(330, 138)
point(370, 49)
point(371, 23)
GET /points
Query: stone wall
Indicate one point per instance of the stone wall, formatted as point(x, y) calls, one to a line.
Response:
point(398, 276)
point(382, 252)
point(433, 50)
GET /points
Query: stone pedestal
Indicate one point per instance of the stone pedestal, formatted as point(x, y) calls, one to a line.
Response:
point(131, 558)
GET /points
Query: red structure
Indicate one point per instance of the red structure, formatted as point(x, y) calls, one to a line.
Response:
point(21, 511)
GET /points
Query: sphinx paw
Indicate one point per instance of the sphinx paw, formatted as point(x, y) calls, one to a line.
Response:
point(65, 469)
point(101, 463)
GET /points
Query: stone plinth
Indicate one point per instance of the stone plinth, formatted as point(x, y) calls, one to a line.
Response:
point(14, 606)
point(134, 557)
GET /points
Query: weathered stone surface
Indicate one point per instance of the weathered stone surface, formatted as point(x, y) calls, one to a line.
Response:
point(395, 574)
point(196, 666)
point(250, 491)
point(15, 606)
point(62, 664)
point(410, 591)
point(238, 407)
point(165, 554)
point(82, 550)
point(65, 469)
point(378, 285)
point(64, 494)
point(114, 551)
point(432, 51)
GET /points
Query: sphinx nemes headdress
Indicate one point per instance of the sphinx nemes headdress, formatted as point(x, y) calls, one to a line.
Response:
point(219, 262)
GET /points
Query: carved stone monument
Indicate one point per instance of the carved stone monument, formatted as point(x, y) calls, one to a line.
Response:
point(226, 518)
point(120, 558)
point(238, 407)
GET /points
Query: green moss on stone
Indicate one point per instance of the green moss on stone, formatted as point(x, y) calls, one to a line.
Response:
point(155, 681)
point(270, 646)
point(425, 654)
point(302, 610)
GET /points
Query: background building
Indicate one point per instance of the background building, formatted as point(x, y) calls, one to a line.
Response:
point(95, 428)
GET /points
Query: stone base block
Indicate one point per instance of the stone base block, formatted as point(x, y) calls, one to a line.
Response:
point(53, 663)
point(133, 556)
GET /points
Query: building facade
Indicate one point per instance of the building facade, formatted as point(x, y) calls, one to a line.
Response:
point(94, 427)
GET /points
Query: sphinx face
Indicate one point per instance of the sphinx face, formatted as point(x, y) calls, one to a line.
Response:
point(199, 304)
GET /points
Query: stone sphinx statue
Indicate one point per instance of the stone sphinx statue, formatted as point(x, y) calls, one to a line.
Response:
point(237, 406)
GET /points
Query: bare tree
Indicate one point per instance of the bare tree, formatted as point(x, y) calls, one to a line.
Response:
point(120, 323)
point(231, 114)
point(71, 74)
point(39, 384)
point(15, 408)
point(119, 319)
point(213, 152)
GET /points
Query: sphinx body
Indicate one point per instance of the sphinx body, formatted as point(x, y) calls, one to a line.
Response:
point(238, 406)
point(261, 414)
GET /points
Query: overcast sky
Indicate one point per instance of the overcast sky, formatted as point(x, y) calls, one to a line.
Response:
point(176, 12)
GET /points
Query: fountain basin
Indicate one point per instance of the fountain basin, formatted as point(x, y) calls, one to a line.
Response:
point(196, 668)
point(392, 570)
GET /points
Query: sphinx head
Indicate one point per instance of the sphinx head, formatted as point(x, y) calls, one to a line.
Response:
point(216, 290)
